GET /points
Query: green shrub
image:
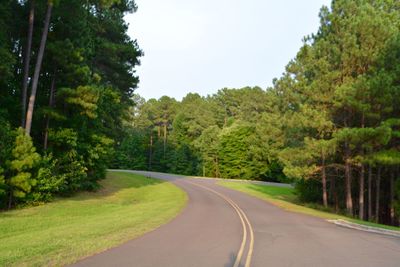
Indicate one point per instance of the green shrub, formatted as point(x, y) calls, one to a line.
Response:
point(309, 190)
point(24, 160)
point(48, 181)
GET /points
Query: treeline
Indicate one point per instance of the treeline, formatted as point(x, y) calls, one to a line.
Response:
point(331, 123)
point(215, 136)
point(66, 82)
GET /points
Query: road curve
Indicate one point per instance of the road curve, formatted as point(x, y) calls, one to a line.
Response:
point(223, 227)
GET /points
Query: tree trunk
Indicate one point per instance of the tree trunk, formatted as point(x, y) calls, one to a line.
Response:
point(333, 193)
point(361, 193)
point(165, 138)
point(150, 151)
point(362, 179)
point(378, 194)
point(27, 60)
point(324, 192)
point(370, 192)
point(217, 173)
point(10, 199)
point(38, 66)
point(51, 105)
point(349, 199)
point(17, 67)
point(392, 213)
point(397, 176)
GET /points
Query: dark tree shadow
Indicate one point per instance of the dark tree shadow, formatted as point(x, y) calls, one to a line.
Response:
point(231, 261)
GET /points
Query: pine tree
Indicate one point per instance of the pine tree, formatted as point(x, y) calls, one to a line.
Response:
point(24, 160)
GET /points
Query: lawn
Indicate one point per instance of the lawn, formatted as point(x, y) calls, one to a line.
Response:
point(285, 198)
point(69, 229)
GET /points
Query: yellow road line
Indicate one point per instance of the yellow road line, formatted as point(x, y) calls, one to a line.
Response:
point(242, 215)
point(251, 245)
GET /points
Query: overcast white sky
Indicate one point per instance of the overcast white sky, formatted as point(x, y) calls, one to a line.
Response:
point(204, 45)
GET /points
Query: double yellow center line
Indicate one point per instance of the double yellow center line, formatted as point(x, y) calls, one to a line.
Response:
point(244, 220)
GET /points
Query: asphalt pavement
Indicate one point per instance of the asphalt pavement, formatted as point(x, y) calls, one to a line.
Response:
point(223, 227)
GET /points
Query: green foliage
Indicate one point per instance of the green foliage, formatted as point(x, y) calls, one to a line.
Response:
point(48, 181)
point(8, 59)
point(70, 165)
point(330, 122)
point(332, 116)
point(96, 154)
point(24, 160)
point(298, 162)
point(183, 160)
point(235, 160)
point(207, 145)
point(83, 95)
point(7, 138)
point(132, 152)
point(33, 178)
point(84, 98)
point(214, 136)
point(2, 184)
point(275, 173)
point(309, 190)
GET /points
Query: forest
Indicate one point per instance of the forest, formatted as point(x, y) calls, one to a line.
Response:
point(65, 90)
point(330, 124)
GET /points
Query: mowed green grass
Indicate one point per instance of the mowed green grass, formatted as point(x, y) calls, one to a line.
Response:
point(69, 229)
point(286, 199)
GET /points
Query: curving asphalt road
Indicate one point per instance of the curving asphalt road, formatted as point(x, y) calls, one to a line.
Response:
point(223, 227)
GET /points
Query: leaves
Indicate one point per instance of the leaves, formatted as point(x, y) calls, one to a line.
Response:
point(24, 160)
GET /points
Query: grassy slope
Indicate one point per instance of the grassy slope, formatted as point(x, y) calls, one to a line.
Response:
point(68, 229)
point(286, 199)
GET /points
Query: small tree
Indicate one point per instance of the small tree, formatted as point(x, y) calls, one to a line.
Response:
point(25, 159)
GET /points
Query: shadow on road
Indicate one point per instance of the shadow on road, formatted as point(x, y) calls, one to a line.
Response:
point(232, 258)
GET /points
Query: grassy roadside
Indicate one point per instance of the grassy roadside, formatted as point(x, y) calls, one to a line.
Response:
point(68, 229)
point(286, 199)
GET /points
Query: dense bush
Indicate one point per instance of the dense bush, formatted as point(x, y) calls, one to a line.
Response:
point(308, 190)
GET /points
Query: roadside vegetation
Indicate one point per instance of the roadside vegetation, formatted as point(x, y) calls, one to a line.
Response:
point(67, 77)
point(287, 199)
point(59, 233)
point(330, 123)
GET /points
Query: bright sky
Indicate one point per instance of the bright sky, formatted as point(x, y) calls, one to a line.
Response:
point(204, 45)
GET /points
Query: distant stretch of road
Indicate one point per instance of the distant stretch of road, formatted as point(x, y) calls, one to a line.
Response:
point(223, 227)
